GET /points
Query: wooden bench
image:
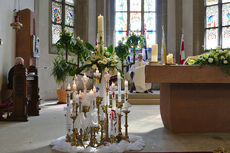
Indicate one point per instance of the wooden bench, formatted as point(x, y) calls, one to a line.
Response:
point(25, 95)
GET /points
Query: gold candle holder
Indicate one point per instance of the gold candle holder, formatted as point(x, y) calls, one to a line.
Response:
point(85, 110)
point(68, 138)
point(73, 142)
point(102, 123)
point(119, 106)
point(105, 109)
point(98, 102)
point(126, 137)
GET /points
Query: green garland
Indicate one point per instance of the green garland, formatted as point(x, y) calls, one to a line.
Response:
point(218, 57)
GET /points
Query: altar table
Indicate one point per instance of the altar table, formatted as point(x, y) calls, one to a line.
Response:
point(192, 98)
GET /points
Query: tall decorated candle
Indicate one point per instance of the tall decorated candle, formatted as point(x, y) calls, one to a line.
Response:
point(119, 86)
point(113, 96)
point(100, 27)
point(154, 56)
point(126, 90)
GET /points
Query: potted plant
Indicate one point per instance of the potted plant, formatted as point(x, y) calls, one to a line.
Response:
point(122, 51)
point(134, 41)
point(61, 68)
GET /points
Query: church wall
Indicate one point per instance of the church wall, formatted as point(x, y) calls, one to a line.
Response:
point(8, 35)
point(47, 83)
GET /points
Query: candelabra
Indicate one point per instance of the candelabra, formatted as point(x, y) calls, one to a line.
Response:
point(90, 122)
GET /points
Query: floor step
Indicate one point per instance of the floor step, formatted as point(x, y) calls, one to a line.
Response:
point(144, 96)
point(144, 101)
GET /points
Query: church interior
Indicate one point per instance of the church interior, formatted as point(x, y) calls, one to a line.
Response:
point(114, 76)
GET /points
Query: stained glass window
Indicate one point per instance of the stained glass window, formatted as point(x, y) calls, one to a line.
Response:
point(217, 28)
point(121, 5)
point(225, 1)
point(211, 38)
point(71, 2)
point(149, 5)
point(69, 16)
point(56, 12)
point(62, 17)
point(138, 16)
point(226, 37)
point(121, 22)
point(120, 36)
point(211, 2)
point(135, 21)
point(150, 21)
point(56, 29)
point(226, 14)
point(150, 39)
point(135, 5)
point(212, 16)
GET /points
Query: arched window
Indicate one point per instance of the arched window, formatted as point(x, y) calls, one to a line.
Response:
point(137, 16)
point(62, 17)
point(217, 24)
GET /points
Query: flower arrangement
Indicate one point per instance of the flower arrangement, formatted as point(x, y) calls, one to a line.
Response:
point(104, 60)
point(216, 57)
point(135, 41)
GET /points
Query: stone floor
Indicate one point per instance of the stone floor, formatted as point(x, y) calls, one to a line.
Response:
point(35, 136)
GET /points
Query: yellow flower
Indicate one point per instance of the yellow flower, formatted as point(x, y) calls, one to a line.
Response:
point(106, 69)
point(88, 62)
point(94, 67)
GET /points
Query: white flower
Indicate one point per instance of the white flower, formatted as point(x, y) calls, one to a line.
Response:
point(210, 60)
point(225, 62)
point(82, 41)
point(106, 54)
point(105, 48)
point(222, 57)
point(78, 38)
point(94, 67)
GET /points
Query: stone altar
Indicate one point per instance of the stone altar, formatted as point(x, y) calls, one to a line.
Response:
point(192, 98)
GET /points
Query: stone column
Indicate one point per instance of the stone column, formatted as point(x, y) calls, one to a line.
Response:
point(82, 19)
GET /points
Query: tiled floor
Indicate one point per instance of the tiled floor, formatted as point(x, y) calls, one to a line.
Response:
point(34, 136)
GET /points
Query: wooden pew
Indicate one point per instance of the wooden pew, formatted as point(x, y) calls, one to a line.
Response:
point(25, 95)
point(32, 91)
point(19, 112)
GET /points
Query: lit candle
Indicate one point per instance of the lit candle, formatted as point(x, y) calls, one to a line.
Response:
point(69, 87)
point(170, 59)
point(154, 56)
point(119, 86)
point(94, 89)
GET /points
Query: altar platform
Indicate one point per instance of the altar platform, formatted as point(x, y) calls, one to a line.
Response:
point(193, 98)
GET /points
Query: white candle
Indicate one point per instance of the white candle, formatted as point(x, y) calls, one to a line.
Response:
point(94, 89)
point(113, 96)
point(100, 27)
point(74, 86)
point(77, 98)
point(119, 86)
point(154, 56)
point(170, 59)
point(126, 90)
